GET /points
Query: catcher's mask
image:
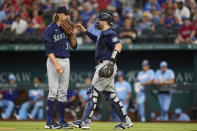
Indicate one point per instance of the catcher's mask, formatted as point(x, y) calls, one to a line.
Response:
point(103, 16)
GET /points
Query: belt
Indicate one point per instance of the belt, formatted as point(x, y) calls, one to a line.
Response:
point(61, 57)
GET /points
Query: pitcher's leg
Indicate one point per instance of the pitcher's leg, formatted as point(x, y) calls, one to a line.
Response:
point(53, 79)
point(63, 87)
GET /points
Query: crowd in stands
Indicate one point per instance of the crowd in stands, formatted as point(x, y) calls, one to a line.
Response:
point(143, 21)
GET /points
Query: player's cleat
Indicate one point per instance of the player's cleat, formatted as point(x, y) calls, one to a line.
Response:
point(65, 125)
point(124, 124)
point(80, 124)
point(52, 125)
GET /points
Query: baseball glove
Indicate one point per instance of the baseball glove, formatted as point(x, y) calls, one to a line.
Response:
point(68, 27)
point(107, 70)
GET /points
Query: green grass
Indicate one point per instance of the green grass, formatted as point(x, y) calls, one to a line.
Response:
point(99, 126)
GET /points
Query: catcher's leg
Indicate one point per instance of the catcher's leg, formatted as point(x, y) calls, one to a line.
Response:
point(119, 109)
point(89, 109)
point(116, 104)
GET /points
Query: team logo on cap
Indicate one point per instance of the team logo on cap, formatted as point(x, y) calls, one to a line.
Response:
point(115, 39)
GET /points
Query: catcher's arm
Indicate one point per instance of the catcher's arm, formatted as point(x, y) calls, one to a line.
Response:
point(117, 50)
point(83, 29)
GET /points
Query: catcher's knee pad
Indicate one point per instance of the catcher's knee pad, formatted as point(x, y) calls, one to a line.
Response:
point(91, 104)
point(116, 104)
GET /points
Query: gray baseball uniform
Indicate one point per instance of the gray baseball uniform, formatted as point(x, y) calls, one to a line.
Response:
point(58, 83)
point(102, 83)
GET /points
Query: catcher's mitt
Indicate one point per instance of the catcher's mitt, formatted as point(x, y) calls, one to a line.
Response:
point(68, 27)
point(107, 70)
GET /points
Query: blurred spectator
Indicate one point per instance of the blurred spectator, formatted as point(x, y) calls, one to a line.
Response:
point(48, 6)
point(74, 105)
point(3, 14)
point(24, 13)
point(144, 24)
point(137, 13)
point(35, 102)
point(169, 18)
point(144, 78)
point(75, 16)
point(19, 25)
point(154, 16)
point(36, 20)
point(180, 116)
point(117, 21)
point(75, 4)
point(186, 32)
point(191, 4)
point(102, 4)
point(164, 77)
point(115, 5)
point(194, 41)
point(8, 98)
point(194, 18)
point(181, 10)
point(167, 4)
point(83, 92)
point(152, 4)
point(123, 91)
point(127, 34)
point(86, 13)
point(8, 22)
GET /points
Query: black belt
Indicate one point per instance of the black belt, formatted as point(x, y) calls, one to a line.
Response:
point(61, 57)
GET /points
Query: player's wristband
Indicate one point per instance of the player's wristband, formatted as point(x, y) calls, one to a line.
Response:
point(114, 56)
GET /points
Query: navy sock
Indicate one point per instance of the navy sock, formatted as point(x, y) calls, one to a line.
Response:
point(50, 105)
point(62, 106)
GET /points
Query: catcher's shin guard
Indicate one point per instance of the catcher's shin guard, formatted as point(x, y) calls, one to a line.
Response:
point(116, 104)
point(91, 104)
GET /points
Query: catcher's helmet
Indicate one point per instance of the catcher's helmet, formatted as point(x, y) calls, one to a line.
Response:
point(105, 16)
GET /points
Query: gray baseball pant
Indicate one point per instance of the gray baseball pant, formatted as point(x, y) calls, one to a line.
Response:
point(58, 83)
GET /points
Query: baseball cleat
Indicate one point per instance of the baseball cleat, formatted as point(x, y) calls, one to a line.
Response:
point(125, 124)
point(80, 124)
point(65, 125)
point(52, 125)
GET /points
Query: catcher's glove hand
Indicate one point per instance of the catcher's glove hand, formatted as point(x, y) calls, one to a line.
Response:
point(68, 27)
point(107, 70)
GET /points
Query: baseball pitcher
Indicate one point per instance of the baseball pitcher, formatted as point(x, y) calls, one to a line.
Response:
point(58, 39)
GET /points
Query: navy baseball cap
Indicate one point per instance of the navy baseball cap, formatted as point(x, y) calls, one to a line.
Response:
point(145, 63)
point(62, 9)
point(120, 73)
point(163, 64)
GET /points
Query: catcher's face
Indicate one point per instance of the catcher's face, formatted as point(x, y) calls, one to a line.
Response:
point(99, 24)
